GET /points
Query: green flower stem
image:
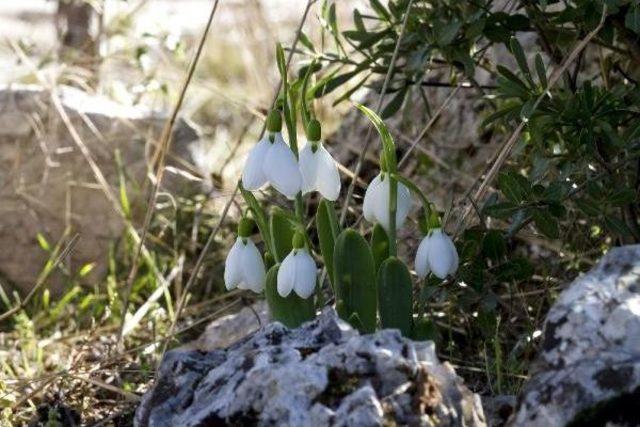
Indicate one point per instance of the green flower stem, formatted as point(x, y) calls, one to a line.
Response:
point(426, 204)
point(391, 163)
point(261, 219)
point(393, 207)
point(290, 121)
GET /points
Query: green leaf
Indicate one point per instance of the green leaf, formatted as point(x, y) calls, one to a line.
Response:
point(328, 230)
point(632, 19)
point(350, 92)
point(42, 241)
point(326, 86)
point(589, 207)
point(387, 141)
point(502, 210)
point(617, 226)
point(425, 330)
point(521, 59)
point(291, 311)
point(380, 10)
point(355, 281)
point(546, 224)
point(258, 215)
point(541, 71)
point(394, 105)
point(358, 21)
point(622, 197)
point(514, 186)
point(517, 269)
point(446, 32)
point(306, 41)
point(379, 245)
point(494, 245)
point(395, 296)
point(282, 233)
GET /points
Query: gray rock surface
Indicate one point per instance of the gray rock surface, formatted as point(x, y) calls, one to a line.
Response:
point(589, 367)
point(321, 374)
point(231, 328)
point(48, 187)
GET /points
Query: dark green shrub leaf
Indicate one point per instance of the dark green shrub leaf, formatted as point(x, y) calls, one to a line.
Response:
point(546, 224)
point(494, 245)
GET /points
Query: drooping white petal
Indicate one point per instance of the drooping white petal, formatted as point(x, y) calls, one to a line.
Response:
point(305, 276)
point(308, 169)
point(327, 175)
point(422, 258)
point(281, 168)
point(440, 256)
point(253, 270)
point(253, 176)
point(380, 203)
point(287, 275)
point(233, 265)
point(381, 208)
point(371, 200)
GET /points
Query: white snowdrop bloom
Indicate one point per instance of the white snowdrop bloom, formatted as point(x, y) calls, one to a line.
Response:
point(281, 168)
point(436, 254)
point(297, 273)
point(319, 171)
point(253, 176)
point(244, 268)
point(376, 202)
point(271, 161)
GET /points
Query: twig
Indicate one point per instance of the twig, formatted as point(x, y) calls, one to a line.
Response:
point(367, 139)
point(160, 157)
point(428, 126)
point(505, 150)
point(211, 238)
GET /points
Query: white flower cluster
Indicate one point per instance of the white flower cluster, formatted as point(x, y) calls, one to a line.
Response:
point(273, 162)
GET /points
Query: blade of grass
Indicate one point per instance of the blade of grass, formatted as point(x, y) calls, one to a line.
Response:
point(159, 159)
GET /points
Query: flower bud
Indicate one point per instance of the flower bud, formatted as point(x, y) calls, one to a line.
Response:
point(383, 163)
point(298, 240)
point(274, 121)
point(314, 131)
point(245, 227)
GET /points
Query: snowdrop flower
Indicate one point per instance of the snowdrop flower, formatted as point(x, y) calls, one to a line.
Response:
point(244, 268)
point(319, 170)
point(271, 161)
point(376, 202)
point(298, 271)
point(437, 254)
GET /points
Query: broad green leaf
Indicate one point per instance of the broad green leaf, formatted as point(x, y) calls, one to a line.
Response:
point(291, 311)
point(355, 281)
point(546, 224)
point(541, 71)
point(380, 10)
point(395, 296)
point(514, 186)
point(632, 19)
point(328, 229)
point(282, 233)
point(394, 105)
point(494, 245)
point(379, 245)
point(521, 59)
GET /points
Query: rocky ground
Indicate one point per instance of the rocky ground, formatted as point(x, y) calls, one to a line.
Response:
point(325, 373)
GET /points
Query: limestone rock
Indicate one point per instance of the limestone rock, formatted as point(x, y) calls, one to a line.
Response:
point(49, 187)
point(321, 374)
point(588, 371)
point(231, 328)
